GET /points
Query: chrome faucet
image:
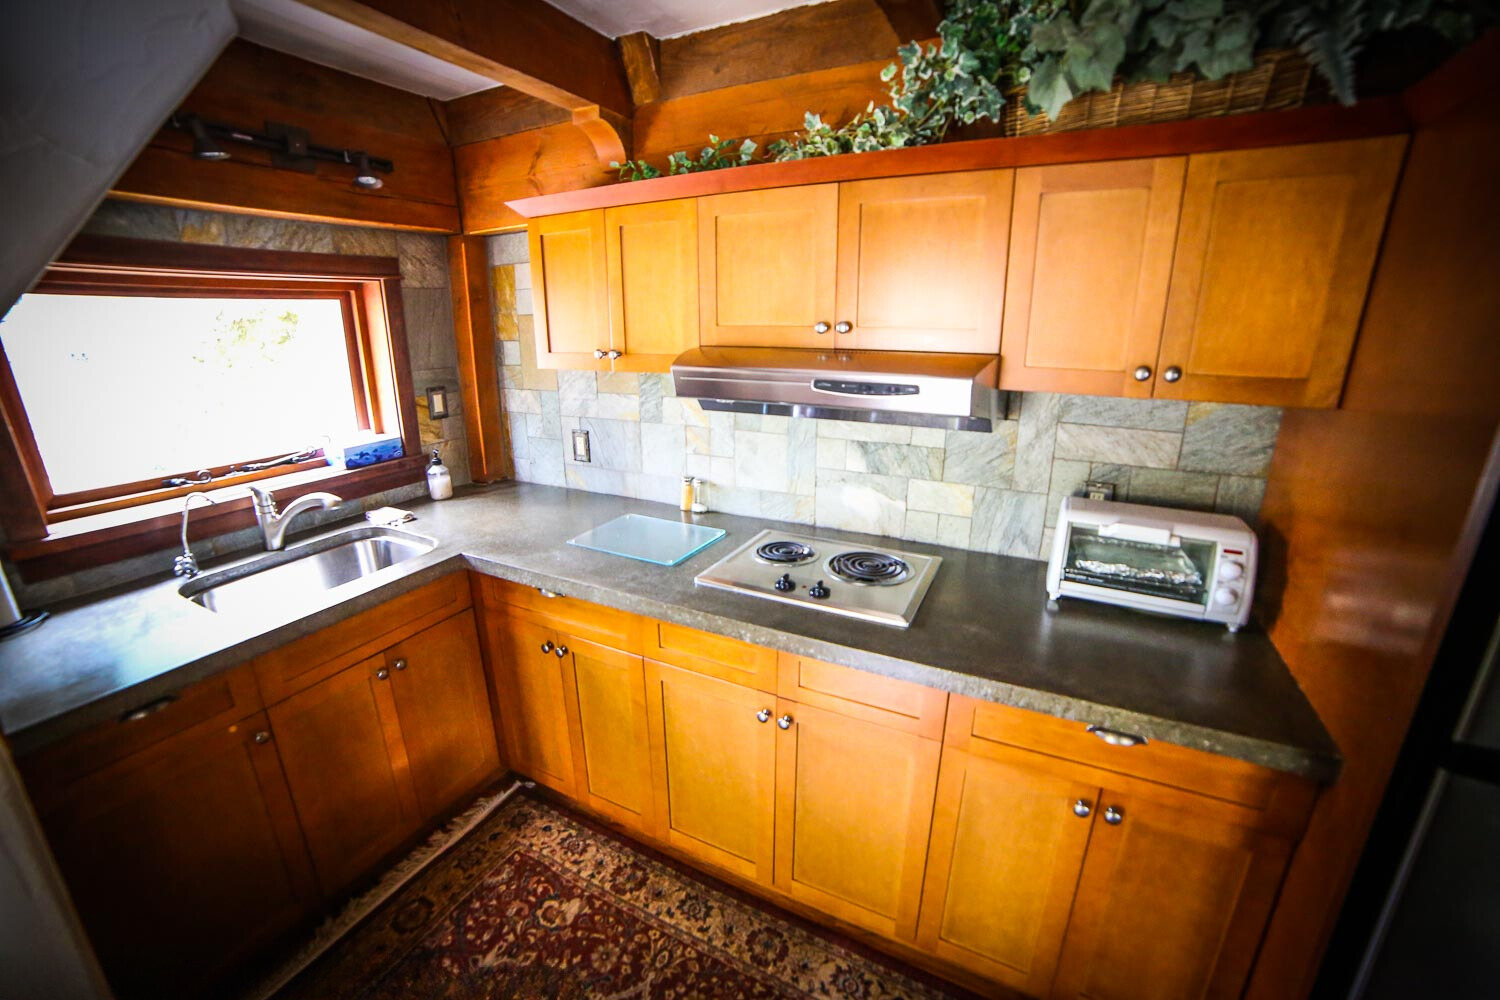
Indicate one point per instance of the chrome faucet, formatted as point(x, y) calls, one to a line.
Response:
point(273, 525)
point(187, 563)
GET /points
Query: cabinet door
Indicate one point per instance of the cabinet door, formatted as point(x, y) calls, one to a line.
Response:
point(1086, 289)
point(713, 760)
point(443, 706)
point(1007, 845)
point(766, 266)
point(533, 711)
point(652, 251)
point(183, 858)
point(611, 752)
point(845, 844)
point(921, 262)
point(1274, 255)
point(1172, 900)
point(340, 743)
point(570, 292)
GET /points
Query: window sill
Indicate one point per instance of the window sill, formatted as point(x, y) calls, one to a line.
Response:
point(86, 542)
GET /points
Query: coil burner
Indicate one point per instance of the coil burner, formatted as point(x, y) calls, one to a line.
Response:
point(869, 569)
point(785, 553)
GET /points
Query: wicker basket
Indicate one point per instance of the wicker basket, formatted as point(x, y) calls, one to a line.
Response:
point(1280, 79)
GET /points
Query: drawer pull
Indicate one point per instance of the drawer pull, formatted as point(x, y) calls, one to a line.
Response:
point(1118, 739)
point(547, 593)
point(150, 708)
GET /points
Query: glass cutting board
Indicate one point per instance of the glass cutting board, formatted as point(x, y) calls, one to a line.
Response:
point(649, 539)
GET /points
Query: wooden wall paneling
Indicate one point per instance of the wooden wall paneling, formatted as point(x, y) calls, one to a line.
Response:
point(1367, 511)
point(474, 334)
point(1091, 256)
point(570, 289)
point(535, 162)
point(249, 86)
point(651, 252)
point(491, 114)
point(912, 19)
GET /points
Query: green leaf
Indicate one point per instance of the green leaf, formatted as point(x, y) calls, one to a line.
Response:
point(1049, 87)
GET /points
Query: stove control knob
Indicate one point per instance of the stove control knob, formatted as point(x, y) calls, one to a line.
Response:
point(1226, 596)
point(785, 583)
point(817, 590)
point(1231, 570)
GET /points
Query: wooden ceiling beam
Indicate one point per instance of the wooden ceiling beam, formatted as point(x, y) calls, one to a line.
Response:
point(912, 20)
point(641, 53)
point(491, 114)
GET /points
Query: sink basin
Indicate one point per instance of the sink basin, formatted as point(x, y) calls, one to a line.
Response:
point(305, 571)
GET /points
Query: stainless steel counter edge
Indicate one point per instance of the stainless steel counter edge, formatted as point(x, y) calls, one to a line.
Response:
point(209, 643)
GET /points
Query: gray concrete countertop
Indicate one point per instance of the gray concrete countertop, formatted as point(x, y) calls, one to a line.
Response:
point(983, 630)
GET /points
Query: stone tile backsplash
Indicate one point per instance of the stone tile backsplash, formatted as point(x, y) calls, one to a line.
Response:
point(996, 492)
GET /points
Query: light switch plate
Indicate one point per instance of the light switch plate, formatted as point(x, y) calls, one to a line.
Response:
point(581, 446)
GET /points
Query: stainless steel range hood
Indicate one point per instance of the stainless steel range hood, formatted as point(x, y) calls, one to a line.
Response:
point(955, 391)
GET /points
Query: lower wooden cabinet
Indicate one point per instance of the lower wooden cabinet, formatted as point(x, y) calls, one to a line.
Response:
point(183, 858)
point(533, 708)
point(606, 692)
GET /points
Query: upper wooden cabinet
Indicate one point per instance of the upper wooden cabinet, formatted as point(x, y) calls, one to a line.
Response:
point(901, 263)
point(1274, 254)
point(616, 288)
point(1086, 289)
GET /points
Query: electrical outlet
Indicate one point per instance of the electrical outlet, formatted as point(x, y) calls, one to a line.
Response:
point(1099, 491)
point(581, 446)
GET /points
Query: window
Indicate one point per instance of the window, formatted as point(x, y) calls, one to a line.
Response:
point(135, 372)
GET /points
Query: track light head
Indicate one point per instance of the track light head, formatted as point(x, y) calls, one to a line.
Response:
point(204, 147)
point(365, 176)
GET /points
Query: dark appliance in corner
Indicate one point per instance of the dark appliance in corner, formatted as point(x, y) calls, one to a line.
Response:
point(1422, 918)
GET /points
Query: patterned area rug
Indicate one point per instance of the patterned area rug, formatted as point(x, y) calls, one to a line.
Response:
point(536, 902)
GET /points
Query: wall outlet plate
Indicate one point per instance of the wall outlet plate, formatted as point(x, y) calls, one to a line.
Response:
point(581, 446)
point(1099, 491)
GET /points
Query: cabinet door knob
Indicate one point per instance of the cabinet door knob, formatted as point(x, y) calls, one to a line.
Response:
point(1115, 738)
point(1142, 373)
point(547, 646)
point(562, 651)
point(616, 355)
point(1172, 374)
point(764, 715)
point(382, 674)
point(843, 326)
point(1081, 808)
point(1113, 816)
point(820, 327)
point(264, 736)
point(400, 663)
point(599, 352)
point(785, 722)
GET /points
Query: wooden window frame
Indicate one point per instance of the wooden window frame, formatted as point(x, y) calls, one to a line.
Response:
point(49, 535)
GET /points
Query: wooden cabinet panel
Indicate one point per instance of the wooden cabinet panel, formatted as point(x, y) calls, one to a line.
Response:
point(443, 707)
point(714, 764)
point(340, 744)
point(853, 847)
point(652, 254)
point(1274, 254)
point(885, 701)
point(766, 266)
point(611, 750)
point(183, 858)
point(533, 709)
point(1171, 902)
point(570, 291)
point(1006, 849)
point(921, 261)
point(617, 629)
point(1086, 289)
point(716, 655)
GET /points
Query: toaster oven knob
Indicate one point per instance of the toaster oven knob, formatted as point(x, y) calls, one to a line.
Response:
point(1231, 570)
point(817, 590)
point(1226, 596)
point(785, 583)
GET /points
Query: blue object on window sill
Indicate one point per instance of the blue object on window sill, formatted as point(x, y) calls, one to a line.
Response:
point(365, 451)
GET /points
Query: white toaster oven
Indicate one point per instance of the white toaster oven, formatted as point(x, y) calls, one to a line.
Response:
point(1175, 562)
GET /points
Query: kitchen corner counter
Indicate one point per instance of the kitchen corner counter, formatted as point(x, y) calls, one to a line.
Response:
point(984, 630)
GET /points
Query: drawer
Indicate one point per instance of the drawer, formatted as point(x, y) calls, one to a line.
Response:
point(619, 629)
point(715, 655)
point(972, 724)
point(911, 708)
point(209, 704)
point(301, 663)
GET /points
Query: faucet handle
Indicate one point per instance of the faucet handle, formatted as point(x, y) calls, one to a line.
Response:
point(264, 500)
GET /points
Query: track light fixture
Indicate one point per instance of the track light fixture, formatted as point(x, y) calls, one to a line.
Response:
point(289, 148)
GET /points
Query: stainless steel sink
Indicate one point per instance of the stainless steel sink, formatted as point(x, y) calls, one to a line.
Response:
point(305, 571)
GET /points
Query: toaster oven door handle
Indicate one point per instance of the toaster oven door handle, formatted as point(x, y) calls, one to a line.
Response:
point(1116, 738)
point(1140, 533)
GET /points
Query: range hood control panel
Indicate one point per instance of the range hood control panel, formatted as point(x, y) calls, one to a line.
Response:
point(865, 388)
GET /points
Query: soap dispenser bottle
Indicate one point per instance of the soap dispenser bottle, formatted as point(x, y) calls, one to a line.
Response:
point(439, 481)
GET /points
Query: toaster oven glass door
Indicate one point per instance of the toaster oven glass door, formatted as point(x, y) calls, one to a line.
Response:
point(1179, 572)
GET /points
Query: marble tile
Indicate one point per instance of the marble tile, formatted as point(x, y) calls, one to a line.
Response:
point(512, 377)
point(521, 401)
point(954, 531)
point(802, 456)
point(1007, 522)
point(364, 242)
point(676, 410)
point(1169, 488)
point(429, 327)
point(852, 501)
point(547, 463)
point(696, 465)
point(613, 444)
point(832, 453)
point(1068, 478)
point(799, 509)
point(532, 377)
point(1109, 411)
point(1228, 438)
point(928, 437)
point(128, 218)
point(1241, 496)
point(662, 489)
point(697, 440)
point(1125, 446)
point(651, 397)
point(940, 498)
point(741, 500)
point(1108, 472)
point(902, 460)
point(278, 234)
point(721, 470)
point(523, 275)
point(507, 248)
point(1035, 437)
point(577, 391)
point(662, 450)
point(510, 352)
point(207, 228)
point(761, 458)
point(619, 382)
point(503, 302)
point(599, 480)
point(524, 305)
point(550, 425)
point(424, 260)
point(721, 441)
point(848, 430)
point(920, 526)
point(981, 459)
